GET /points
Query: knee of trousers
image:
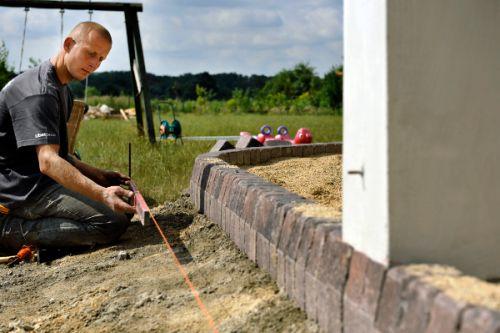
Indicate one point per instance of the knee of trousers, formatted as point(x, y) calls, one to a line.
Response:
point(111, 226)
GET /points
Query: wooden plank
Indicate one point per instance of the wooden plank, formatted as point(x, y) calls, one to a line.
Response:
point(141, 206)
point(76, 5)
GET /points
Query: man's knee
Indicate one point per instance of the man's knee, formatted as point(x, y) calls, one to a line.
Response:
point(112, 226)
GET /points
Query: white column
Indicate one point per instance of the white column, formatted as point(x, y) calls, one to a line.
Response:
point(422, 114)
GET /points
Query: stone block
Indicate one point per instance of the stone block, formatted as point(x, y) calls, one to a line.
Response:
point(254, 156)
point(251, 243)
point(280, 271)
point(332, 273)
point(276, 143)
point(319, 148)
point(445, 315)
point(334, 148)
point(286, 151)
point(247, 142)
point(417, 303)
point(329, 309)
point(240, 156)
point(265, 155)
point(221, 145)
point(275, 152)
point(262, 252)
point(362, 293)
point(246, 157)
point(297, 150)
point(391, 300)
point(273, 261)
point(312, 286)
point(476, 319)
point(303, 251)
point(308, 150)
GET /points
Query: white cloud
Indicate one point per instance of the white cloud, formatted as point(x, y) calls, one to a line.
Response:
point(180, 36)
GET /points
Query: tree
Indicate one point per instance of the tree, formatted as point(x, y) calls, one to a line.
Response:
point(294, 83)
point(6, 72)
point(331, 90)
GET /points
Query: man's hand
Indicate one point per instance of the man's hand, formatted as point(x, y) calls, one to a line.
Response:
point(112, 178)
point(112, 197)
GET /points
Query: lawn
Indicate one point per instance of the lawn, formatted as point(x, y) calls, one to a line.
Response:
point(163, 170)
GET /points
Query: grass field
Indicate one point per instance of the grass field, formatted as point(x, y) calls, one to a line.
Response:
point(162, 171)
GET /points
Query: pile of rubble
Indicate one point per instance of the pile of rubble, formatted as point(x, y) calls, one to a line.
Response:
point(104, 111)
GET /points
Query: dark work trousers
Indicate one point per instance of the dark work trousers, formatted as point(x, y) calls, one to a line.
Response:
point(59, 218)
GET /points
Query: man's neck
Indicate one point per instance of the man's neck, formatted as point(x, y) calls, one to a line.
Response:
point(61, 71)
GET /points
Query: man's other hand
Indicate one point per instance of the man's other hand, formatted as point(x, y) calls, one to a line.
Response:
point(112, 178)
point(112, 197)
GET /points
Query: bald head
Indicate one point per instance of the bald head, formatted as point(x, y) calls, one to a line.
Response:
point(82, 30)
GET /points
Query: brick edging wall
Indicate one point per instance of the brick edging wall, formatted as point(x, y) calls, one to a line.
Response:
point(337, 286)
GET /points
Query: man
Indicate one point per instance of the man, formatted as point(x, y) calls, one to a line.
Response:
point(47, 197)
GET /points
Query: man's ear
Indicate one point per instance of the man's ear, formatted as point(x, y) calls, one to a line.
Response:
point(68, 44)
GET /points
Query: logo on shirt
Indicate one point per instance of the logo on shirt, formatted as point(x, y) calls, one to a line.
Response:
point(40, 135)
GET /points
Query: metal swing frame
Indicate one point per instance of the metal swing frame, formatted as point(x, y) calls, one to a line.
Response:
point(142, 97)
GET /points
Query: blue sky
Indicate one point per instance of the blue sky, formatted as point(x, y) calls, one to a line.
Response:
point(181, 36)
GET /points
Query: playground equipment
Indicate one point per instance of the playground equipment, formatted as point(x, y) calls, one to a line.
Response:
point(141, 94)
point(167, 129)
point(302, 136)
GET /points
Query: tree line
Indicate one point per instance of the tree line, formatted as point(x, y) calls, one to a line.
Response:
point(298, 89)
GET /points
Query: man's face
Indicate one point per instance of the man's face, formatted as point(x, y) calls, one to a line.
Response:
point(86, 55)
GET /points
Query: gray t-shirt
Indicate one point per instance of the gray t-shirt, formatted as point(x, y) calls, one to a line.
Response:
point(34, 109)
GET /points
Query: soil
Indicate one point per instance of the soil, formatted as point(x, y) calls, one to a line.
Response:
point(108, 290)
point(318, 178)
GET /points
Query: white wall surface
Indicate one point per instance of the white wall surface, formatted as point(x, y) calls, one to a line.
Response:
point(365, 212)
point(444, 133)
point(422, 118)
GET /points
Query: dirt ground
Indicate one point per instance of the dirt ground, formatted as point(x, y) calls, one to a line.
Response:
point(98, 292)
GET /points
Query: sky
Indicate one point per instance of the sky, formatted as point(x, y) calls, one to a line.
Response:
point(193, 36)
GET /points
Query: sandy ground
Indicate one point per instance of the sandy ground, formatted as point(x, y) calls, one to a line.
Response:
point(318, 178)
point(97, 292)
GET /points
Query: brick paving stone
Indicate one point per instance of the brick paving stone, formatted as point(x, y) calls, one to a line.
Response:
point(391, 300)
point(247, 142)
point(312, 285)
point(297, 151)
point(477, 319)
point(308, 150)
point(273, 261)
point(334, 148)
point(291, 254)
point(280, 271)
point(262, 252)
point(332, 273)
point(329, 309)
point(255, 156)
point(265, 155)
point(362, 293)
point(418, 299)
point(251, 244)
point(275, 152)
point(319, 148)
point(303, 251)
point(445, 314)
point(221, 145)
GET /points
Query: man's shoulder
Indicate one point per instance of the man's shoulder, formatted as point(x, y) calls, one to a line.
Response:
point(32, 82)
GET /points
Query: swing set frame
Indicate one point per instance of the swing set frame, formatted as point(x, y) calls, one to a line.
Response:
point(142, 97)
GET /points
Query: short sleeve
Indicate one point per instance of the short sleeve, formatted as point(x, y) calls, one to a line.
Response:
point(35, 121)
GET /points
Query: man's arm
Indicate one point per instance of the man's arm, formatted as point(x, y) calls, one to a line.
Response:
point(60, 170)
point(102, 177)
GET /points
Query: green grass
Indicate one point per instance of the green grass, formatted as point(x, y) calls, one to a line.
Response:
point(162, 171)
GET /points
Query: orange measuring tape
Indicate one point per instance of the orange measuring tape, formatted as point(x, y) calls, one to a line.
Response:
point(186, 278)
